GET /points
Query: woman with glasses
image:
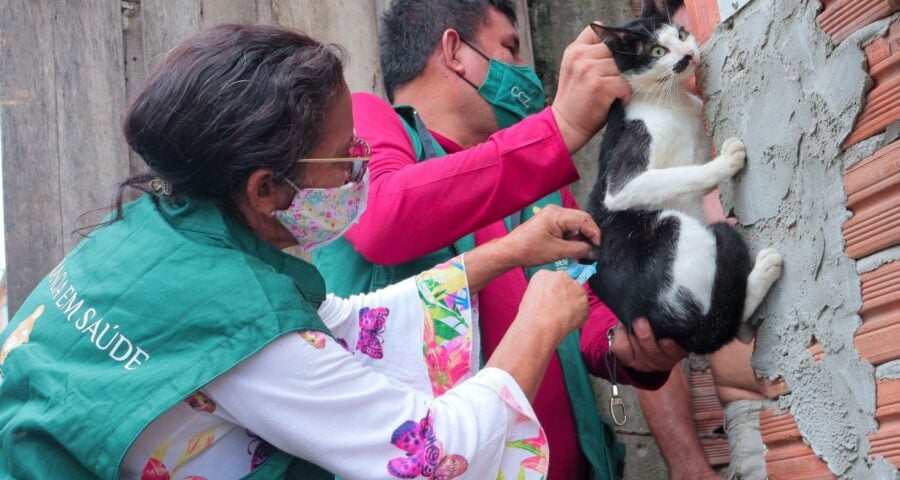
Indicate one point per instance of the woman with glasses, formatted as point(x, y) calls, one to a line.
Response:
point(178, 341)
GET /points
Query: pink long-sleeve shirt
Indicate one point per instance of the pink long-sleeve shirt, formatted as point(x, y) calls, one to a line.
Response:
point(415, 208)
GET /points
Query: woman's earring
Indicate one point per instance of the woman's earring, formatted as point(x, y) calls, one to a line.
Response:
point(161, 187)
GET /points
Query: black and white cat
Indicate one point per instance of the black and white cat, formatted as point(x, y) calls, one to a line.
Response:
point(658, 258)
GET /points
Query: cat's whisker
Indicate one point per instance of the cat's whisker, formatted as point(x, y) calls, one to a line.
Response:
point(639, 89)
point(660, 93)
point(671, 94)
point(673, 89)
point(620, 52)
point(656, 92)
point(661, 97)
point(645, 90)
point(663, 87)
point(651, 92)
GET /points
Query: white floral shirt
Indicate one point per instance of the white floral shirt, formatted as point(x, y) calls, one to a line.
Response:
point(395, 394)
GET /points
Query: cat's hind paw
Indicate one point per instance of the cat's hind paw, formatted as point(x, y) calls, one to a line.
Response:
point(769, 265)
point(767, 269)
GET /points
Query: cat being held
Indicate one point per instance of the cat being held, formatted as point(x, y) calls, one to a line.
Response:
point(658, 258)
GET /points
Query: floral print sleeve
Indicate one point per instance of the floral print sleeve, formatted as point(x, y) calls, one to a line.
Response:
point(419, 331)
point(449, 345)
point(393, 392)
point(451, 356)
point(448, 324)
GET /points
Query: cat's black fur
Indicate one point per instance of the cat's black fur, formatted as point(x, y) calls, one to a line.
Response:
point(638, 248)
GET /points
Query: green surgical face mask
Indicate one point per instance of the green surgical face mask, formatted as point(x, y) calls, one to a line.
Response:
point(513, 91)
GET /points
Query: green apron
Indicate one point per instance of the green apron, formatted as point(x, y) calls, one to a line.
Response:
point(346, 273)
point(136, 318)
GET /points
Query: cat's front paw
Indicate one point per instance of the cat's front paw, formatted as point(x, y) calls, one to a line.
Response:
point(734, 156)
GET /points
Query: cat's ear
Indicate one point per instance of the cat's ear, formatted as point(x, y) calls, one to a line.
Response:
point(672, 6)
point(607, 34)
point(649, 9)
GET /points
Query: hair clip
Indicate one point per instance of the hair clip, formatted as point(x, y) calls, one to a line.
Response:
point(161, 187)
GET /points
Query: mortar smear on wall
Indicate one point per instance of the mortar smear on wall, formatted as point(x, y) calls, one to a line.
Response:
point(776, 81)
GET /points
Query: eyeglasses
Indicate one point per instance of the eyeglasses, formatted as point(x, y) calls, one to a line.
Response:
point(357, 156)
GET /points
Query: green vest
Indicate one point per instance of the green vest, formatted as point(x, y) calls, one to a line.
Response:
point(346, 273)
point(136, 318)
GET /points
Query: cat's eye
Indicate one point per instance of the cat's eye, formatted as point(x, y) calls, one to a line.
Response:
point(683, 35)
point(659, 51)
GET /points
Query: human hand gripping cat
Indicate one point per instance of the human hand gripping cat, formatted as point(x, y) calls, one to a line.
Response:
point(553, 234)
point(640, 351)
point(589, 82)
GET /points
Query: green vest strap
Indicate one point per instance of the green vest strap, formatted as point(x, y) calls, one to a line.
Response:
point(595, 435)
point(426, 147)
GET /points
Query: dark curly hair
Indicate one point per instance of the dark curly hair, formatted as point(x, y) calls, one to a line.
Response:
point(228, 101)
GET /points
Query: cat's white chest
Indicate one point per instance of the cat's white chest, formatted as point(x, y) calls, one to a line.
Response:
point(676, 130)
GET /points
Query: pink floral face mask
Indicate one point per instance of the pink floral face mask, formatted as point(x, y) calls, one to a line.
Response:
point(319, 216)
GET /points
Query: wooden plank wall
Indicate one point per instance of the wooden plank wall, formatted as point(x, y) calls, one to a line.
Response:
point(32, 203)
point(67, 70)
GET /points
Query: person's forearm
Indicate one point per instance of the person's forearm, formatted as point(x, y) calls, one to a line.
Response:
point(668, 414)
point(367, 408)
point(544, 239)
point(524, 354)
point(476, 187)
point(485, 263)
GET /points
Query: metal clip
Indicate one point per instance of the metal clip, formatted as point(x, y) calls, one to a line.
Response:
point(616, 401)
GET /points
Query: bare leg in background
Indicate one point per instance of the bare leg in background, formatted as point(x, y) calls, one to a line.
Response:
point(732, 373)
point(668, 413)
point(739, 393)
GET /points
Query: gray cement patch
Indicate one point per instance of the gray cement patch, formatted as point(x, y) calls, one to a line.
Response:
point(775, 80)
point(888, 371)
point(867, 264)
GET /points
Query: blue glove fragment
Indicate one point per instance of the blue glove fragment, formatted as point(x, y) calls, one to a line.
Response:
point(580, 272)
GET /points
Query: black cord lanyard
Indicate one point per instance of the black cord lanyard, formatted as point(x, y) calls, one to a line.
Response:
point(615, 401)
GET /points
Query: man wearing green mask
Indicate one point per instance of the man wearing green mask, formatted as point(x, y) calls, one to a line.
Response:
point(513, 91)
point(468, 151)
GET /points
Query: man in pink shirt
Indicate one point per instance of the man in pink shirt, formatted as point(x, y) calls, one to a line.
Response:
point(445, 174)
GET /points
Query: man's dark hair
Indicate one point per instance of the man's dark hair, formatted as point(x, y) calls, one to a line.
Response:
point(412, 29)
point(229, 101)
